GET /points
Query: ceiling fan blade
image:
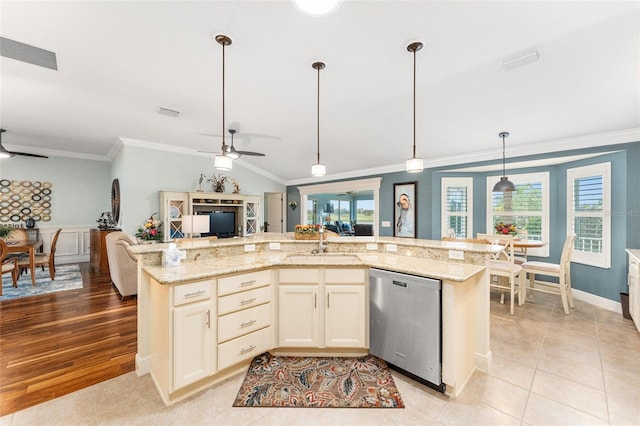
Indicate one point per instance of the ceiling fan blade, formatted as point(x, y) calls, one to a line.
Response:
point(255, 154)
point(14, 153)
point(26, 154)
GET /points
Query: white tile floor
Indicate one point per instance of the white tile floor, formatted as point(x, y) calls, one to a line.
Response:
point(548, 369)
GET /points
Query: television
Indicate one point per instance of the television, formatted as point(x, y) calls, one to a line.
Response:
point(221, 224)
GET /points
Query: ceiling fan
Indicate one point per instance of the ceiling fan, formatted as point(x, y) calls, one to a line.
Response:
point(231, 151)
point(5, 153)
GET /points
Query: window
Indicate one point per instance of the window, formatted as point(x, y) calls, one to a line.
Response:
point(588, 207)
point(457, 207)
point(364, 211)
point(527, 207)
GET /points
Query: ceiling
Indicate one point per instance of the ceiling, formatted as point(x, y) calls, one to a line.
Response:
point(119, 61)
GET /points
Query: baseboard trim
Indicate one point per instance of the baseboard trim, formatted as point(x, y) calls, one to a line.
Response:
point(143, 365)
point(598, 301)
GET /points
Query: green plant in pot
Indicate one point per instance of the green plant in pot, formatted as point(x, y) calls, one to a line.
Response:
point(5, 231)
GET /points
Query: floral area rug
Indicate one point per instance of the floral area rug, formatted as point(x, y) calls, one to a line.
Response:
point(335, 382)
point(68, 277)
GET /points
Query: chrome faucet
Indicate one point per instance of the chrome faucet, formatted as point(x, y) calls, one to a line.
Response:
point(322, 244)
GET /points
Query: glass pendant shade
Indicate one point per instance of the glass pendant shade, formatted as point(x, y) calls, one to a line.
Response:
point(222, 162)
point(414, 165)
point(504, 185)
point(318, 169)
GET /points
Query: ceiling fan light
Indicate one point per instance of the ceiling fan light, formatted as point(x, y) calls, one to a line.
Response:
point(414, 165)
point(504, 185)
point(319, 169)
point(222, 162)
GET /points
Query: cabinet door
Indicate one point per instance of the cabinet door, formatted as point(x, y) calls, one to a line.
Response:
point(193, 336)
point(298, 316)
point(345, 321)
point(172, 206)
point(252, 216)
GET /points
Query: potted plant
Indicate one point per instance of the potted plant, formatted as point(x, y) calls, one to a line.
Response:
point(5, 231)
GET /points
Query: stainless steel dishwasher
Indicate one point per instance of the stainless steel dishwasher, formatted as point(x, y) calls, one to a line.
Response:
point(405, 324)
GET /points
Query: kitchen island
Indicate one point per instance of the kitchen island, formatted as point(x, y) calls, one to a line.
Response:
point(229, 300)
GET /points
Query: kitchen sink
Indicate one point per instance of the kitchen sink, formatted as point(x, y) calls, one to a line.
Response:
point(324, 259)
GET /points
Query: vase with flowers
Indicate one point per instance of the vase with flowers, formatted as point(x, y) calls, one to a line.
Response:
point(506, 228)
point(217, 182)
point(149, 232)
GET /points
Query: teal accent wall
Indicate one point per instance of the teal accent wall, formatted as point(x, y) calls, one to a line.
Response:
point(625, 202)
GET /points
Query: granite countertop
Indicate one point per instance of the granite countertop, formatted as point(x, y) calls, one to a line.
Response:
point(634, 253)
point(211, 268)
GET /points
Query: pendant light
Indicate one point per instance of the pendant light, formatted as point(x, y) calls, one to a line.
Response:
point(222, 161)
point(414, 164)
point(318, 169)
point(504, 185)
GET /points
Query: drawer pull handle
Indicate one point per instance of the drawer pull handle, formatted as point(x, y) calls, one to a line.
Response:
point(247, 301)
point(246, 283)
point(197, 293)
point(249, 349)
point(247, 324)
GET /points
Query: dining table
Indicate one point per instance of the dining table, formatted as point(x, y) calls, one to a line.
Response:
point(524, 245)
point(26, 246)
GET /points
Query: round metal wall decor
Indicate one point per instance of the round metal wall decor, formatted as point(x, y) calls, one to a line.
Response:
point(115, 200)
point(23, 199)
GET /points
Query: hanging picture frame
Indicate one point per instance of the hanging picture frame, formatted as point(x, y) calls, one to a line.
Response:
point(405, 205)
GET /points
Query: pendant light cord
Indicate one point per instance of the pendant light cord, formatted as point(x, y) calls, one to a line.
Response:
point(414, 104)
point(504, 170)
point(318, 116)
point(223, 129)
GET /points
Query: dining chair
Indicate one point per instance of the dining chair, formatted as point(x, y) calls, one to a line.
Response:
point(44, 259)
point(521, 253)
point(9, 265)
point(18, 234)
point(561, 270)
point(503, 270)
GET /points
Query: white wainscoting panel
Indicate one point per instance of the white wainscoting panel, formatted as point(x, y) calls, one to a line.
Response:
point(73, 243)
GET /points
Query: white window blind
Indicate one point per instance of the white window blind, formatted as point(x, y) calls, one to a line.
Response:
point(588, 207)
point(527, 207)
point(457, 207)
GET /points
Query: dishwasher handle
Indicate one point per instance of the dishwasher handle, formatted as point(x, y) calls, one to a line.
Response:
point(399, 283)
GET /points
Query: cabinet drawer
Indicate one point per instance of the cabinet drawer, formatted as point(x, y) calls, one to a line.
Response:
point(243, 282)
point(243, 300)
point(344, 276)
point(193, 292)
point(243, 322)
point(244, 347)
point(299, 276)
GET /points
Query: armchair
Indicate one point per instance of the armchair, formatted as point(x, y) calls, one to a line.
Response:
point(122, 265)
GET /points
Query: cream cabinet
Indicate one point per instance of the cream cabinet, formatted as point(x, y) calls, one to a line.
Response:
point(173, 205)
point(322, 307)
point(245, 312)
point(183, 334)
point(634, 289)
point(252, 215)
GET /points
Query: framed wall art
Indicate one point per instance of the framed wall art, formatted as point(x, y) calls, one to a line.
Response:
point(405, 207)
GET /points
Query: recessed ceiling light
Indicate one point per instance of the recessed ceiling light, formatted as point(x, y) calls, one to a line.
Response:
point(520, 60)
point(316, 7)
point(168, 112)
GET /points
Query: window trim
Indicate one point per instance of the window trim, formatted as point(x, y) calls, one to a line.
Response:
point(599, 260)
point(543, 178)
point(456, 181)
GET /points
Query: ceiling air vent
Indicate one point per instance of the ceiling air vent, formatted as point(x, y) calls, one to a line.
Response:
point(168, 112)
point(520, 60)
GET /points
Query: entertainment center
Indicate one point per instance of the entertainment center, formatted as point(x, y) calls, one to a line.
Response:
point(230, 215)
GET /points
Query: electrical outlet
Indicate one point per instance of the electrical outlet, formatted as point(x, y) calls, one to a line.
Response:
point(391, 247)
point(274, 246)
point(386, 224)
point(249, 247)
point(372, 246)
point(456, 254)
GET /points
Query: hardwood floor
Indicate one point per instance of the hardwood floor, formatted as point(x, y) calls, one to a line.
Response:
point(55, 344)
